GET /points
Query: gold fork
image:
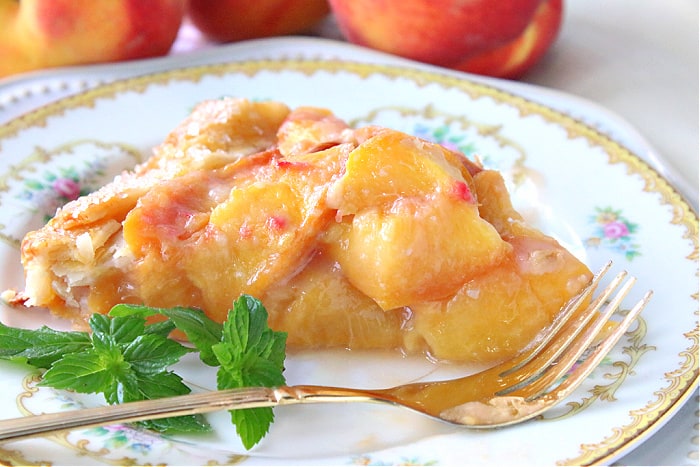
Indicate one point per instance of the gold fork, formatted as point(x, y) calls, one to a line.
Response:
point(509, 393)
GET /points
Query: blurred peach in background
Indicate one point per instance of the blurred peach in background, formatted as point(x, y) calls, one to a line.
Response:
point(502, 38)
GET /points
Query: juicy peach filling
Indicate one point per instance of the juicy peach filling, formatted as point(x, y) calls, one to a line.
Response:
point(366, 239)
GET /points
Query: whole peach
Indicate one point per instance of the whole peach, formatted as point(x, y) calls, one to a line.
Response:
point(441, 32)
point(37, 34)
point(235, 20)
point(515, 58)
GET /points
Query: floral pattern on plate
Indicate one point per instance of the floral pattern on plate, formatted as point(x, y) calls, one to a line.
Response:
point(48, 178)
point(614, 232)
point(545, 156)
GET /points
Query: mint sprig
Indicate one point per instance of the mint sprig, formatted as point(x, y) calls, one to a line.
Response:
point(128, 359)
point(250, 354)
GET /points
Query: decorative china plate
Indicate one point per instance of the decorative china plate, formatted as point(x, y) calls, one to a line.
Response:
point(570, 180)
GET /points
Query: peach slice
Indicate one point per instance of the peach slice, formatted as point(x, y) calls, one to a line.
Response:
point(391, 165)
point(413, 231)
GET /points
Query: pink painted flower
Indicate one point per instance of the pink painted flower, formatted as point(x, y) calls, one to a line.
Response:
point(615, 229)
point(67, 188)
point(449, 145)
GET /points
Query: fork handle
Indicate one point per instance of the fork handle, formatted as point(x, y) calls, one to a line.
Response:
point(189, 404)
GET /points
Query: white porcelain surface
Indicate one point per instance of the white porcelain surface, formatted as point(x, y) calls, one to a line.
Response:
point(573, 176)
point(625, 68)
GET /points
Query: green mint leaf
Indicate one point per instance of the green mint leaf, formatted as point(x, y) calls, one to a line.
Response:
point(120, 330)
point(261, 340)
point(126, 310)
point(252, 424)
point(200, 330)
point(151, 354)
point(182, 424)
point(129, 310)
point(276, 352)
point(255, 372)
point(165, 385)
point(40, 347)
point(123, 387)
point(161, 328)
point(249, 355)
point(260, 371)
point(83, 372)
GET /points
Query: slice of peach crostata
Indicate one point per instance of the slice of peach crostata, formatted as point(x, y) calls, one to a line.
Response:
point(362, 238)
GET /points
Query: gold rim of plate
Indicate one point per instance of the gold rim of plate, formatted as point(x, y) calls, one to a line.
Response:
point(681, 381)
